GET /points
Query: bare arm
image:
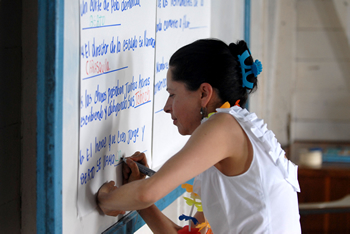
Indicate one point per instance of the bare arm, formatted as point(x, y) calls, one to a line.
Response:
point(201, 219)
point(157, 221)
point(209, 144)
point(154, 218)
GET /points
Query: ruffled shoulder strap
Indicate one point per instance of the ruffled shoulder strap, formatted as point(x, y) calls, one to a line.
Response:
point(268, 141)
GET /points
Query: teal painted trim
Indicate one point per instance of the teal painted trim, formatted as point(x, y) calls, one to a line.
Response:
point(247, 32)
point(49, 116)
point(131, 222)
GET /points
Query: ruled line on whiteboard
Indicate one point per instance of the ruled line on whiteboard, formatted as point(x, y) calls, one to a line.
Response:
point(104, 26)
point(142, 104)
point(86, 78)
point(158, 111)
point(198, 27)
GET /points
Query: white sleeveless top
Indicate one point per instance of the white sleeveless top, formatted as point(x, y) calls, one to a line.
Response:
point(261, 200)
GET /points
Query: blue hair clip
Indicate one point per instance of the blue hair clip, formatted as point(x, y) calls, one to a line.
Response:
point(255, 68)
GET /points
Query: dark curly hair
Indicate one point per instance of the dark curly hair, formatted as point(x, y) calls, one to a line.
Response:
point(213, 61)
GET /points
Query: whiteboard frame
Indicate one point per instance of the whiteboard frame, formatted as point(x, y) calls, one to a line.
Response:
point(49, 116)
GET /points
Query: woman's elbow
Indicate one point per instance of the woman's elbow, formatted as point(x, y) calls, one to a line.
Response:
point(145, 195)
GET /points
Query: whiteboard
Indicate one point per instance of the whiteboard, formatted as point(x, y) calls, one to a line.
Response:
point(117, 46)
point(177, 25)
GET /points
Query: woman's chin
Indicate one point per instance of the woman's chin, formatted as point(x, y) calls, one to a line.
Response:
point(183, 132)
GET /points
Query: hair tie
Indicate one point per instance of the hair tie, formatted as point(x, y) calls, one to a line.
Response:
point(255, 68)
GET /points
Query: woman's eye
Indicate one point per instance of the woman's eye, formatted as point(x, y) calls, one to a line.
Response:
point(171, 95)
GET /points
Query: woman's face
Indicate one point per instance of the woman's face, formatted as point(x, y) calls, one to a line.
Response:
point(183, 105)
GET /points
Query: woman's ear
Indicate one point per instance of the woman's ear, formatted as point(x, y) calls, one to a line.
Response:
point(206, 91)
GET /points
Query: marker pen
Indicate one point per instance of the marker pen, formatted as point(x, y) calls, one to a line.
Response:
point(143, 169)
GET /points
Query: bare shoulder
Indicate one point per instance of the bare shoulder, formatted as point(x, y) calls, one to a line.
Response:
point(225, 127)
point(223, 121)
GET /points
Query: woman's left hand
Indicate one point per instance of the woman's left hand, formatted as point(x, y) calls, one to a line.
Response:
point(105, 189)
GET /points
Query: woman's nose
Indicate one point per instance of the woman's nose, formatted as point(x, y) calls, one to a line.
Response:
point(167, 106)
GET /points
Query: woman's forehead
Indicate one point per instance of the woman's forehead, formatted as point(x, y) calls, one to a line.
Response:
point(171, 87)
point(174, 85)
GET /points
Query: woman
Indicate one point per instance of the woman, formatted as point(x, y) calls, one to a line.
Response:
point(245, 182)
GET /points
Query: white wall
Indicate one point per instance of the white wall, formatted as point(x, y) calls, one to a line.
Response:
point(304, 87)
point(273, 43)
point(322, 91)
point(343, 11)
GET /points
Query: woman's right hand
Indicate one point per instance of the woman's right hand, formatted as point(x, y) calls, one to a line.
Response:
point(130, 169)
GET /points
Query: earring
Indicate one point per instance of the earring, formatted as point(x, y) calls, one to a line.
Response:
point(203, 112)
